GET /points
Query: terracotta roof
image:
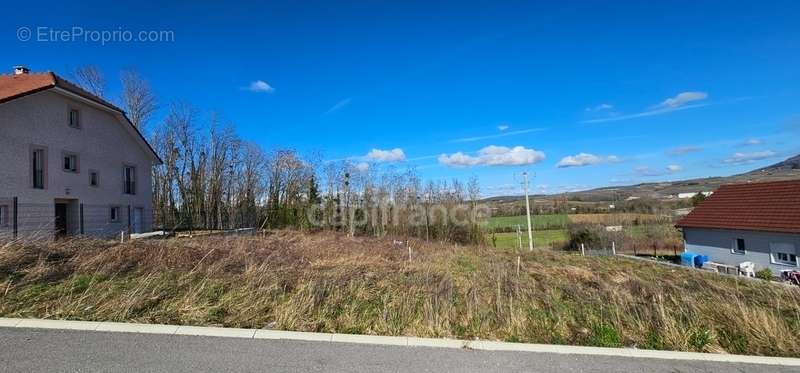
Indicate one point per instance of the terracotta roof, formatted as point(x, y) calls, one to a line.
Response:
point(20, 85)
point(771, 207)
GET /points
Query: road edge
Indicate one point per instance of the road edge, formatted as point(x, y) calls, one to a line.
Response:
point(483, 345)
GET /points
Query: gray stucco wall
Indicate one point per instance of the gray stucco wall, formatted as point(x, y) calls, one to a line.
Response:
point(102, 144)
point(717, 244)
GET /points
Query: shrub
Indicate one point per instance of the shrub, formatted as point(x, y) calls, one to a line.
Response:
point(700, 339)
point(586, 234)
point(765, 274)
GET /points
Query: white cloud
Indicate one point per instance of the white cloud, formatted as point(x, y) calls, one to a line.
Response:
point(739, 158)
point(493, 155)
point(751, 142)
point(677, 103)
point(363, 167)
point(585, 159)
point(650, 172)
point(681, 150)
point(504, 134)
point(502, 127)
point(260, 86)
point(681, 99)
point(394, 155)
point(339, 105)
point(600, 107)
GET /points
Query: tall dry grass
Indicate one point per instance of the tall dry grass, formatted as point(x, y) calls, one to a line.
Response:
point(332, 283)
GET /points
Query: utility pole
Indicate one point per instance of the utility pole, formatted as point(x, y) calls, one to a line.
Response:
point(528, 212)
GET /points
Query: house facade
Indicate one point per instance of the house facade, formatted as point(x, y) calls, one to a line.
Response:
point(754, 222)
point(72, 163)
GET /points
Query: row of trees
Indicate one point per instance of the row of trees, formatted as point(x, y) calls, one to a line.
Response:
point(213, 179)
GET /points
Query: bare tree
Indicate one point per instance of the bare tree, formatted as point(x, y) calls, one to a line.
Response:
point(138, 98)
point(90, 78)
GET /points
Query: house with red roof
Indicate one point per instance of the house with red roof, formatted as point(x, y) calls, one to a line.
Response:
point(72, 162)
point(753, 222)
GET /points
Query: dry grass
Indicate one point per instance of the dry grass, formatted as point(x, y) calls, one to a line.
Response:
point(331, 283)
point(618, 219)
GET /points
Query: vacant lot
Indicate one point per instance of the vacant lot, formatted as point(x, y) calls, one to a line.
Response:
point(541, 238)
point(554, 221)
point(331, 283)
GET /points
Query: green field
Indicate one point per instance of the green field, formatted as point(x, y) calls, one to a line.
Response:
point(554, 220)
point(540, 238)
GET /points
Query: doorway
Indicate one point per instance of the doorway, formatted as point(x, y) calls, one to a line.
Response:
point(61, 220)
point(137, 220)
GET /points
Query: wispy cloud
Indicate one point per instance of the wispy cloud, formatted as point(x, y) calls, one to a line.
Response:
point(494, 136)
point(259, 86)
point(362, 166)
point(679, 102)
point(651, 172)
point(503, 127)
point(493, 155)
point(393, 155)
point(681, 150)
point(752, 142)
point(600, 107)
point(742, 158)
point(338, 106)
point(585, 159)
point(681, 99)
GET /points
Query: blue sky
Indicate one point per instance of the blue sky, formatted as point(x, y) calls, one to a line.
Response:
point(614, 93)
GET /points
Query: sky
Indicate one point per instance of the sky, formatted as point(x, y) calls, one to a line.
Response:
point(580, 95)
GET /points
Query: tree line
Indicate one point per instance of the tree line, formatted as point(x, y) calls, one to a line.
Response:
point(211, 178)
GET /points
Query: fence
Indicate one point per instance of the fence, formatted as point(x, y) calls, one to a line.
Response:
point(28, 220)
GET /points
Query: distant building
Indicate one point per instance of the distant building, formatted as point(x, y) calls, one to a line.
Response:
point(690, 195)
point(72, 162)
point(754, 222)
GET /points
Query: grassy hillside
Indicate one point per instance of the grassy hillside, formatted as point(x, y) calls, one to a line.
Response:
point(332, 283)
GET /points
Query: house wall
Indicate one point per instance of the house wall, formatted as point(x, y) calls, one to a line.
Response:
point(102, 144)
point(717, 244)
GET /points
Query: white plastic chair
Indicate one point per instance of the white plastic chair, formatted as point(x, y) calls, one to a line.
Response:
point(747, 269)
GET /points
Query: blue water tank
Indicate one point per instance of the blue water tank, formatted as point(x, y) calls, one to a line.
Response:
point(688, 258)
point(699, 260)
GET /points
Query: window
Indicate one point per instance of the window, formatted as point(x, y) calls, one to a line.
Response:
point(38, 167)
point(738, 246)
point(129, 180)
point(74, 118)
point(783, 253)
point(3, 215)
point(93, 178)
point(70, 162)
point(114, 214)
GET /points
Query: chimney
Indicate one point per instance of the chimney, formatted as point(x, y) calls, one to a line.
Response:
point(19, 70)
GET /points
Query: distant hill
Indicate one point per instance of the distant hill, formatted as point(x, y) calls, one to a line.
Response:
point(785, 170)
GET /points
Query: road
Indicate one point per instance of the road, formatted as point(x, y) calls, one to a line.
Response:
point(42, 350)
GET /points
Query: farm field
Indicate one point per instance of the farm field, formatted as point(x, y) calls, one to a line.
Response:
point(541, 238)
point(329, 282)
point(538, 221)
point(556, 221)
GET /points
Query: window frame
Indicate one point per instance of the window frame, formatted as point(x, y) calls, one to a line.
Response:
point(42, 150)
point(125, 182)
point(774, 252)
point(736, 249)
point(77, 166)
point(96, 175)
point(77, 112)
point(113, 214)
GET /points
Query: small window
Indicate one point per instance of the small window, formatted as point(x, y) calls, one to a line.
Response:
point(114, 214)
point(38, 167)
point(93, 178)
point(70, 162)
point(783, 253)
point(3, 215)
point(74, 118)
point(129, 180)
point(738, 246)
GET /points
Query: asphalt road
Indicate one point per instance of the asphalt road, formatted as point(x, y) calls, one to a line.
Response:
point(41, 350)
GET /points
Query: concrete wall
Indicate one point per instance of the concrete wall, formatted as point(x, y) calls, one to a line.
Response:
point(102, 144)
point(717, 244)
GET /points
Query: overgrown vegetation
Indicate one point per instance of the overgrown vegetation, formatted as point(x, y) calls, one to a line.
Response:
point(329, 282)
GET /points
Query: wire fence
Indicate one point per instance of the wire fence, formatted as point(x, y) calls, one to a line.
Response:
point(21, 219)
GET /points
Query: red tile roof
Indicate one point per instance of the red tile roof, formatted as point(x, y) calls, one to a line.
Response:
point(771, 207)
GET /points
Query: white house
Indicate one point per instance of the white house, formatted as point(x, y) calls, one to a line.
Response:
point(72, 163)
